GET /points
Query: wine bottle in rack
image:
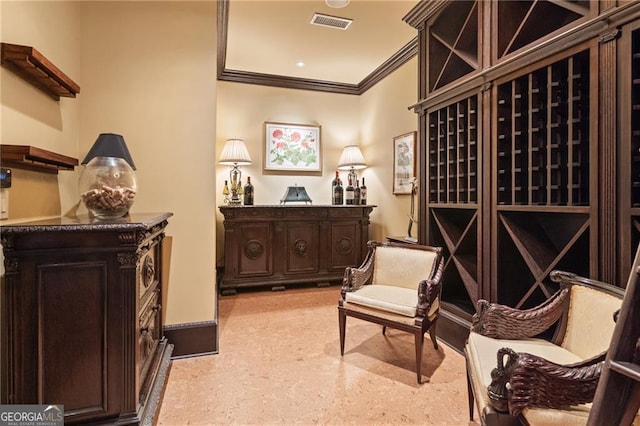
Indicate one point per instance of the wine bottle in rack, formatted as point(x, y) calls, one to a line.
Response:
point(356, 193)
point(363, 193)
point(349, 193)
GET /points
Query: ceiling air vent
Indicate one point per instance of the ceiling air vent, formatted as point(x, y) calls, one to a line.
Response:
point(331, 21)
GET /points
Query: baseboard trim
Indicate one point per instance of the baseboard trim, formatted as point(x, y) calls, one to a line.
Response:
point(192, 339)
point(453, 330)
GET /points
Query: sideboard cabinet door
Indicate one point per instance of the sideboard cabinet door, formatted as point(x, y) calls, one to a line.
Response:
point(81, 319)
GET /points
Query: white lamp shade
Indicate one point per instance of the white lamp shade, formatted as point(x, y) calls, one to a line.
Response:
point(351, 158)
point(235, 152)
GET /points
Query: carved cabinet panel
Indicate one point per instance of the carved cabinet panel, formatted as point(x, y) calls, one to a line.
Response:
point(274, 246)
point(81, 317)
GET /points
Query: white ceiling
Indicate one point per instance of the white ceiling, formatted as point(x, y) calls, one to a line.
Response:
point(270, 37)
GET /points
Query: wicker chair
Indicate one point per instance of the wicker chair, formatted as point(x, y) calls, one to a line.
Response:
point(538, 381)
point(397, 286)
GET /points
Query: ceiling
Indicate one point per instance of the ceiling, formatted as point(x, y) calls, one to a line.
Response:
point(261, 42)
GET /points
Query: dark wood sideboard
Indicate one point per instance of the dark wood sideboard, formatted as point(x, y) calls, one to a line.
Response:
point(81, 317)
point(275, 246)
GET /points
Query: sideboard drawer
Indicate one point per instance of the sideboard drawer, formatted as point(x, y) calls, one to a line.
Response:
point(148, 333)
point(148, 272)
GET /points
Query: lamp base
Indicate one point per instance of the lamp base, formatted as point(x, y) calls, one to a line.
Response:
point(353, 176)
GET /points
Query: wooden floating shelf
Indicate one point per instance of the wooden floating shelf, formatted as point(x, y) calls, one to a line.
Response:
point(31, 65)
point(32, 158)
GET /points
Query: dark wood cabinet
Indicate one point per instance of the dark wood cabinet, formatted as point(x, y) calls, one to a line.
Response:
point(274, 246)
point(528, 145)
point(82, 323)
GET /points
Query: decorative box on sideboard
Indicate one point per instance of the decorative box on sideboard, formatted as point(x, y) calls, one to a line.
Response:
point(81, 317)
point(275, 246)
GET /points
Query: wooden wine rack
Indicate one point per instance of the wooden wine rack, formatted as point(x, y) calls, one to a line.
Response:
point(453, 196)
point(635, 119)
point(543, 136)
point(453, 153)
point(530, 20)
point(634, 153)
point(456, 230)
point(453, 44)
point(529, 128)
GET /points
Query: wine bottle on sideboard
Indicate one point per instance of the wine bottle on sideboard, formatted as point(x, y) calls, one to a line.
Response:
point(349, 193)
point(334, 193)
point(248, 192)
point(363, 193)
point(339, 193)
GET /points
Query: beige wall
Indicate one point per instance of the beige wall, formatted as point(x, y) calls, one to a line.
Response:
point(385, 114)
point(31, 117)
point(370, 120)
point(149, 74)
point(146, 70)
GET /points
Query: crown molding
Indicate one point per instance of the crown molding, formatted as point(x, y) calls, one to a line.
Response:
point(407, 52)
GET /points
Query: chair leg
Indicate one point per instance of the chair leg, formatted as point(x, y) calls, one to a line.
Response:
point(419, 343)
point(342, 324)
point(384, 330)
point(432, 334)
point(470, 396)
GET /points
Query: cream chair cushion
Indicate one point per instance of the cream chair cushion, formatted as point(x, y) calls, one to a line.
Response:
point(575, 415)
point(400, 267)
point(398, 300)
point(590, 322)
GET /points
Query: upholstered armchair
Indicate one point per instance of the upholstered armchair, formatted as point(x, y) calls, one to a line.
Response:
point(517, 377)
point(398, 286)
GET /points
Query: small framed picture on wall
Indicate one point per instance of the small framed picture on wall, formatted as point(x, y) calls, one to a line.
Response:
point(404, 162)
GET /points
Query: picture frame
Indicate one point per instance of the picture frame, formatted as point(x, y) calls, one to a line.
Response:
point(292, 147)
point(404, 162)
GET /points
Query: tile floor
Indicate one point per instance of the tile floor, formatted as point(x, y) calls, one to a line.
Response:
point(280, 363)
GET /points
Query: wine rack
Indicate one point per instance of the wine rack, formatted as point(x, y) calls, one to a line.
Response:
point(530, 21)
point(634, 154)
point(543, 135)
point(635, 119)
point(453, 153)
point(529, 118)
point(453, 195)
point(453, 43)
point(531, 245)
point(456, 230)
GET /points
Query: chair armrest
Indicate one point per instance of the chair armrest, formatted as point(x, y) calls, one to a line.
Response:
point(503, 322)
point(524, 380)
point(429, 290)
point(354, 278)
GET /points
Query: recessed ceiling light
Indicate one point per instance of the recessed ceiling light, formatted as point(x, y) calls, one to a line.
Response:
point(300, 64)
point(336, 3)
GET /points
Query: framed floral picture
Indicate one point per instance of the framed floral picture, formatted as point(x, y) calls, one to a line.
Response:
point(404, 162)
point(292, 147)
